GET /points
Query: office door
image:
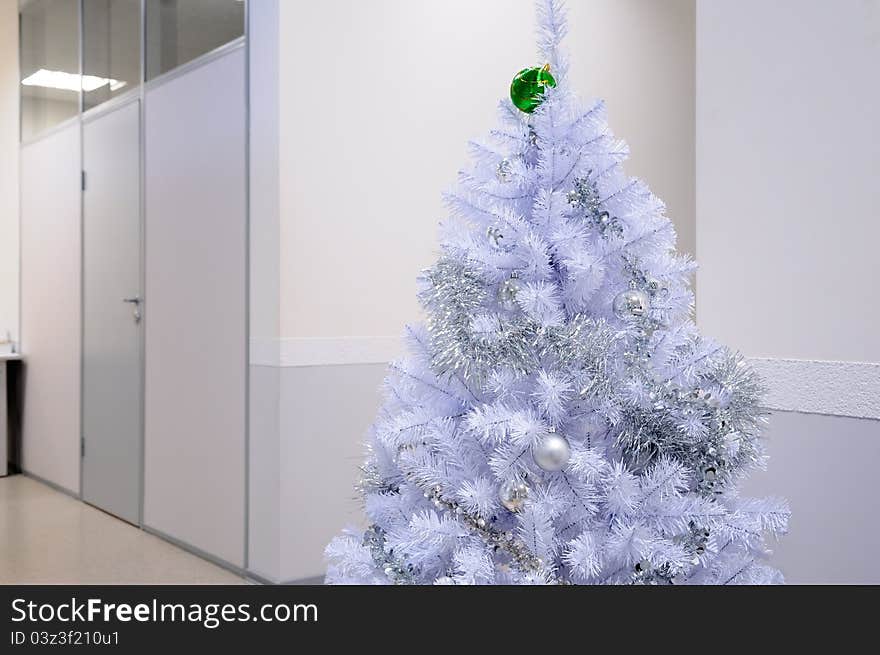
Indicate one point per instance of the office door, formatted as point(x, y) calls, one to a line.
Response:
point(113, 308)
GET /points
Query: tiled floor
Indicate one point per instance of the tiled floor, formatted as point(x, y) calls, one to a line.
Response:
point(47, 537)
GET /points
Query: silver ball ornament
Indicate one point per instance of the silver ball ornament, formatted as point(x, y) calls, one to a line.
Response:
point(552, 453)
point(513, 494)
point(507, 293)
point(631, 304)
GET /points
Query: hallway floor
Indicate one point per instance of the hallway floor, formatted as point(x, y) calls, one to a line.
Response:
point(47, 537)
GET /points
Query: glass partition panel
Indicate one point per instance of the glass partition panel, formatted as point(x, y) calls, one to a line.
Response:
point(178, 31)
point(111, 49)
point(50, 78)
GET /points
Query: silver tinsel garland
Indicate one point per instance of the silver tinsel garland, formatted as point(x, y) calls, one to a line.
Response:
point(455, 292)
point(398, 572)
point(521, 558)
point(453, 295)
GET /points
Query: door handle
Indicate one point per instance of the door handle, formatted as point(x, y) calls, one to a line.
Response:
point(136, 311)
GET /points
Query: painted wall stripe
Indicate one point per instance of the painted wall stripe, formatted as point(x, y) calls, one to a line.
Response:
point(794, 385)
point(821, 387)
point(319, 351)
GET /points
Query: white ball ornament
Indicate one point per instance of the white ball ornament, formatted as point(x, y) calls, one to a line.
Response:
point(631, 304)
point(552, 453)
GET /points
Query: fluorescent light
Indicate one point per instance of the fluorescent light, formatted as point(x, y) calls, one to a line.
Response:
point(70, 81)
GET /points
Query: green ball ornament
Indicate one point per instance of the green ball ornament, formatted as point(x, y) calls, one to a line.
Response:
point(527, 88)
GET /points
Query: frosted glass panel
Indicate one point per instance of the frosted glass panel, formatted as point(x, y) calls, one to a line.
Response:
point(49, 64)
point(178, 31)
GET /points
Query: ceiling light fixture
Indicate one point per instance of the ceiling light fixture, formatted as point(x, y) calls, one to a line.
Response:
point(70, 81)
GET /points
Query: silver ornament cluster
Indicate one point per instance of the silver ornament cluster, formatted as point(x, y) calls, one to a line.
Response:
point(398, 572)
point(631, 304)
point(505, 541)
point(655, 288)
point(371, 481)
point(584, 198)
point(695, 541)
point(645, 573)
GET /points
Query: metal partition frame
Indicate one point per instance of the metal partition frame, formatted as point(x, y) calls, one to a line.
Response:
point(110, 105)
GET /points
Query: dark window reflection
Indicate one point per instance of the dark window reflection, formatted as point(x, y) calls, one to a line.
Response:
point(178, 31)
point(49, 57)
point(111, 49)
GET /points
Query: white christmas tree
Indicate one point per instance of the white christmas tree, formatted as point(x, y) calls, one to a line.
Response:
point(559, 419)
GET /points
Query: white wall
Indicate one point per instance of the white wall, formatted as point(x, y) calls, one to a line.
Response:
point(788, 148)
point(402, 86)
point(8, 170)
point(825, 466)
point(50, 306)
point(325, 411)
point(788, 153)
point(365, 153)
